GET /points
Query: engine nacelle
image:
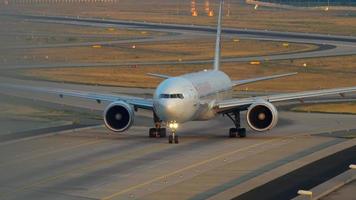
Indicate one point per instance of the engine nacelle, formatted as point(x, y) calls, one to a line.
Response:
point(262, 116)
point(118, 116)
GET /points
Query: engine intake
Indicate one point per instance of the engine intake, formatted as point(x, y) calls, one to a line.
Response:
point(262, 116)
point(118, 116)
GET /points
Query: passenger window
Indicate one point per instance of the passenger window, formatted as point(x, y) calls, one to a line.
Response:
point(172, 96)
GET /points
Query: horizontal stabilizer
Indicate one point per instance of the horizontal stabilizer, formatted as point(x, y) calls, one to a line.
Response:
point(159, 75)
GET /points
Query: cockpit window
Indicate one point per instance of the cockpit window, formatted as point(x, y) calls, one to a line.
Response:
point(171, 96)
point(164, 96)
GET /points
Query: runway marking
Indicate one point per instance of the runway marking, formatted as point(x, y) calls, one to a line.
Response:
point(263, 169)
point(47, 135)
point(88, 166)
point(187, 168)
point(50, 152)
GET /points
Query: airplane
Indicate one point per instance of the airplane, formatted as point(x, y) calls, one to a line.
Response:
point(195, 96)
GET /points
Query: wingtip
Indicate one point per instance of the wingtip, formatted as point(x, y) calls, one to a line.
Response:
point(291, 74)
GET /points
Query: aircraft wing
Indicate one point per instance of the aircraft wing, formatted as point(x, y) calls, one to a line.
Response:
point(247, 81)
point(231, 104)
point(98, 97)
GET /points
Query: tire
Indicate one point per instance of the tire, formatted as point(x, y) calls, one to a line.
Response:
point(233, 132)
point(176, 141)
point(170, 139)
point(241, 132)
point(162, 132)
point(152, 133)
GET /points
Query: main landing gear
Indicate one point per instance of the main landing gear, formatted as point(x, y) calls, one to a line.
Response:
point(158, 131)
point(237, 131)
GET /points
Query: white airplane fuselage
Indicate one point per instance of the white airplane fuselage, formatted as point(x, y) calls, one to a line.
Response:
point(191, 96)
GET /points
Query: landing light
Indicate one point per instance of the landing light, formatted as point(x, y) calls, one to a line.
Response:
point(173, 125)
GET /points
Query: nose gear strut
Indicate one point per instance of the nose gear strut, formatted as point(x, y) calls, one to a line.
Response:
point(173, 137)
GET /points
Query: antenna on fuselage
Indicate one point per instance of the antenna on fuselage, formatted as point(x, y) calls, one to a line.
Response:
point(218, 38)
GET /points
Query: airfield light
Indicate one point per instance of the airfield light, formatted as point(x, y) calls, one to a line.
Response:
point(236, 40)
point(256, 6)
point(134, 46)
point(352, 166)
point(255, 62)
point(306, 193)
point(305, 65)
point(193, 8)
point(286, 44)
point(96, 46)
point(327, 7)
point(207, 6)
point(211, 13)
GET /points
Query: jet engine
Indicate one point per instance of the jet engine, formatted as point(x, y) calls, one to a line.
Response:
point(118, 116)
point(262, 116)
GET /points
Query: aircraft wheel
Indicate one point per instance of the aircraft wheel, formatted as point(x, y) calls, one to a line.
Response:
point(233, 132)
point(152, 133)
point(241, 132)
point(170, 139)
point(176, 141)
point(162, 132)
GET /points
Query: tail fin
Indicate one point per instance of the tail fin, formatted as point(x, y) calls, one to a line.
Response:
point(218, 38)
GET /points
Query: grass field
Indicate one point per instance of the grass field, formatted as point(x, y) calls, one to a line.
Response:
point(345, 108)
point(180, 50)
point(320, 73)
point(25, 111)
point(15, 31)
point(172, 11)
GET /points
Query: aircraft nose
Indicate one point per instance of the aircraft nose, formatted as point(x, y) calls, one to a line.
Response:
point(168, 110)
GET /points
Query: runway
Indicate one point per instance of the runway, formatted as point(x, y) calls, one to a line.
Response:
point(77, 163)
point(90, 164)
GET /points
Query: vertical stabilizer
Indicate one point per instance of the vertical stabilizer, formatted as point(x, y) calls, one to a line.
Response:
point(218, 38)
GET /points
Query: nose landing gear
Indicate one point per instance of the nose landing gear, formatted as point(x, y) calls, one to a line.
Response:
point(173, 137)
point(237, 131)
